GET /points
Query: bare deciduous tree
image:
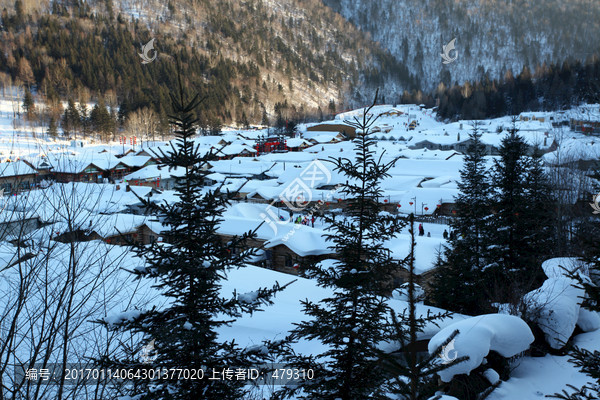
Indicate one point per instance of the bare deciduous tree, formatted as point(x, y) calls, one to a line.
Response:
point(53, 291)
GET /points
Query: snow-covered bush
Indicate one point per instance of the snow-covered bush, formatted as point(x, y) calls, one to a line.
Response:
point(555, 307)
point(507, 335)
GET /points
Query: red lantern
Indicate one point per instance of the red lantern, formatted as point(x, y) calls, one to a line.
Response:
point(426, 208)
point(327, 203)
point(399, 206)
point(439, 205)
point(410, 202)
point(340, 200)
point(385, 201)
point(453, 211)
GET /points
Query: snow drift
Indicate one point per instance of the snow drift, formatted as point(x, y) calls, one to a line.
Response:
point(505, 334)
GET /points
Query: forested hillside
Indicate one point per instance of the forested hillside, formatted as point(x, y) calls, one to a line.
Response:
point(254, 60)
point(492, 36)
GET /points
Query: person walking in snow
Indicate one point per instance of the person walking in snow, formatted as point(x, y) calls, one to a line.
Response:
point(312, 220)
point(421, 230)
point(445, 234)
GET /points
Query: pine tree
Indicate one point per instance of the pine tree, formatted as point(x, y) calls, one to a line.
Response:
point(53, 127)
point(457, 282)
point(332, 107)
point(189, 271)
point(355, 318)
point(244, 121)
point(84, 119)
point(515, 262)
point(100, 119)
point(71, 119)
point(540, 210)
point(28, 104)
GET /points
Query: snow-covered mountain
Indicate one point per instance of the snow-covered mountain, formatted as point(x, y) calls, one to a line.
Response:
point(492, 36)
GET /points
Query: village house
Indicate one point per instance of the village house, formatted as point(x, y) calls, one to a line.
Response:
point(117, 229)
point(129, 164)
point(17, 176)
point(587, 127)
point(444, 144)
point(15, 224)
point(346, 131)
point(154, 176)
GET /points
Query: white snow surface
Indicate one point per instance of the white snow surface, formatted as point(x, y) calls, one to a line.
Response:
point(555, 306)
point(505, 334)
point(536, 377)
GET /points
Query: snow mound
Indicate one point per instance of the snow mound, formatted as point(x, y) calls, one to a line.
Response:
point(555, 267)
point(588, 321)
point(556, 306)
point(492, 376)
point(505, 334)
point(401, 293)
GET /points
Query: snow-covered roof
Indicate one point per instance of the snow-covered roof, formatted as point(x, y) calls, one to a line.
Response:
point(154, 172)
point(234, 149)
point(322, 137)
point(134, 161)
point(78, 162)
point(297, 142)
point(15, 168)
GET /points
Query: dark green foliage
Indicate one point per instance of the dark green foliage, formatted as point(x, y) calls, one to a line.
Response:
point(189, 271)
point(589, 363)
point(101, 121)
point(98, 52)
point(331, 107)
point(458, 279)
point(552, 87)
point(28, 104)
point(71, 121)
point(265, 119)
point(521, 230)
point(355, 318)
point(53, 127)
point(244, 121)
point(504, 230)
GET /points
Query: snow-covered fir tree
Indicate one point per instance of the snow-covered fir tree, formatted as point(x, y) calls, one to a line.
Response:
point(458, 277)
point(188, 269)
point(520, 233)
